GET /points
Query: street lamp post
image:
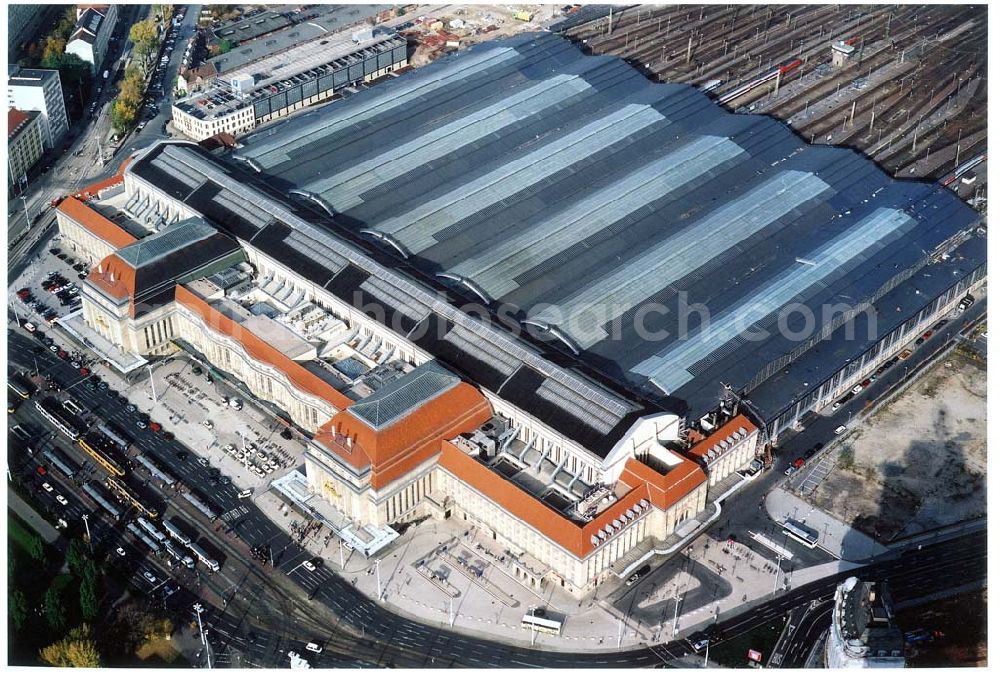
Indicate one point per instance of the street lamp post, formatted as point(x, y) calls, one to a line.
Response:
point(86, 526)
point(198, 609)
point(152, 383)
point(677, 605)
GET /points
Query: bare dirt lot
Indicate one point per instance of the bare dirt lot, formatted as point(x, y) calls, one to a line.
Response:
point(918, 463)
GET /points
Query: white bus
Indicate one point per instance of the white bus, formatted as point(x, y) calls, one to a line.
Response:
point(800, 532)
point(541, 624)
point(175, 532)
point(204, 558)
point(152, 530)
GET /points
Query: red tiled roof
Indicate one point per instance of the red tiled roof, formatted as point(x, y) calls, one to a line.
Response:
point(15, 119)
point(116, 179)
point(665, 489)
point(408, 442)
point(702, 447)
point(95, 223)
point(115, 277)
point(261, 350)
point(529, 509)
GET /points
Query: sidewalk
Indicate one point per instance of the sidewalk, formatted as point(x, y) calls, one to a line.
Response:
point(836, 537)
point(39, 524)
point(437, 572)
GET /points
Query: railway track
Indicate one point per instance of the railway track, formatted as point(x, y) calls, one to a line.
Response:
point(910, 57)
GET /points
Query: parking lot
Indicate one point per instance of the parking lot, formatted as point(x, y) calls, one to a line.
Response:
point(49, 286)
point(245, 444)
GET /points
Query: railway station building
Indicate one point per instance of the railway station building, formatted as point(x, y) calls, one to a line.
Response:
point(467, 287)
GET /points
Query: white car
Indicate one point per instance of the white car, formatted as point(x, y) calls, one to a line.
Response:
point(120, 551)
point(789, 470)
point(698, 645)
point(314, 647)
point(835, 407)
point(47, 487)
point(61, 499)
point(308, 566)
point(149, 577)
point(840, 429)
point(857, 389)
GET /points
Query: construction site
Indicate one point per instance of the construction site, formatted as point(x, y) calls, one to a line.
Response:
point(904, 84)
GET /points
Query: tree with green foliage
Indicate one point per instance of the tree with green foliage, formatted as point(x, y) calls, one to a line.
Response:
point(76, 556)
point(145, 36)
point(55, 611)
point(36, 548)
point(225, 46)
point(77, 649)
point(88, 598)
point(17, 608)
point(66, 23)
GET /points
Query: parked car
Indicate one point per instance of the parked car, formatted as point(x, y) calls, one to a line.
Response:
point(840, 429)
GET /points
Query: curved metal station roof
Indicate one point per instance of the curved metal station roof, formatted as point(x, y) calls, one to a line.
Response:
point(576, 190)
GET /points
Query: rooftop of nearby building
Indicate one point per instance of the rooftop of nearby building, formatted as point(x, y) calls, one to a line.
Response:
point(317, 21)
point(283, 73)
point(23, 77)
point(866, 620)
point(87, 26)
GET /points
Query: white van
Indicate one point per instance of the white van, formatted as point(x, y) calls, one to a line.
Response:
point(314, 647)
point(244, 494)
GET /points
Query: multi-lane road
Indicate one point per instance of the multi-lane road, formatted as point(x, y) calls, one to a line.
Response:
point(321, 605)
point(80, 160)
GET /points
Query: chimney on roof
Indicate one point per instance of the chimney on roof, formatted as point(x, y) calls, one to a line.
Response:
point(112, 273)
point(100, 268)
point(349, 446)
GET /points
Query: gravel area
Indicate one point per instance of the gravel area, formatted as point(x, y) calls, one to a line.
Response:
point(918, 463)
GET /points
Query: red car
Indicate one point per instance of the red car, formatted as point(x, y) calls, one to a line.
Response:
point(799, 462)
point(155, 427)
point(41, 470)
point(63, 354)
point(23, 293)
point(84, 371)
point(927, 335)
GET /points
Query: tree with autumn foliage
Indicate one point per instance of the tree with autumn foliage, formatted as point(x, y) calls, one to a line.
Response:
point(77, 649)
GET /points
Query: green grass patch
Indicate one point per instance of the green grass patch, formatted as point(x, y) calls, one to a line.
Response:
point(19, 533)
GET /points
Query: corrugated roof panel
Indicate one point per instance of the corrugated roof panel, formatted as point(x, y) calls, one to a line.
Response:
point(671, 370)
point(584, 315)
point(497, 267)
point(416, 228)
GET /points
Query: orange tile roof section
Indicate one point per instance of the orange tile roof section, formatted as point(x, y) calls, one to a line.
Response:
point(95, 223)
point(519, 503)
point(15, 118)
point(116, 278)
point(116, 179)
point(702, 447)
point(261, 349)
point(665, 489)
point(408, 442)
